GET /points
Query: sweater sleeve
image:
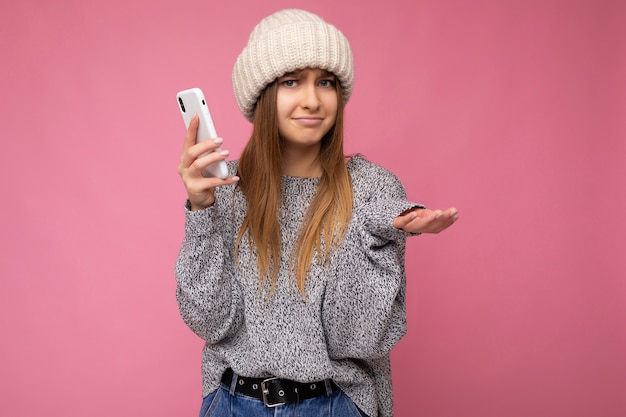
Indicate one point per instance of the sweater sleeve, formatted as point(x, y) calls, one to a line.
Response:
point(365, 305)
point(208, 298)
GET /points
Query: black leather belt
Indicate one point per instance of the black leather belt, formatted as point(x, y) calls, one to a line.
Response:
point(275, 391)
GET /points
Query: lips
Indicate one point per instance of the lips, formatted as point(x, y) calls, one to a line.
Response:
point(309, 121)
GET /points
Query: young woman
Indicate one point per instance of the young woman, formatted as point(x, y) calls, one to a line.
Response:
point(292, 268)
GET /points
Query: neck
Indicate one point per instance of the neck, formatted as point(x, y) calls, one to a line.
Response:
point(301, 162)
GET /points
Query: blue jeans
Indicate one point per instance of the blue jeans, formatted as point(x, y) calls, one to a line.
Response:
point(220, 403)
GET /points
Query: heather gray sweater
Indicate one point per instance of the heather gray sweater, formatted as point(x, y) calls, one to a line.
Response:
point(355, 308)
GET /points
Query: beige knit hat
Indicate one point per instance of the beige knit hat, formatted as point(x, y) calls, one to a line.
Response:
point(286, 41)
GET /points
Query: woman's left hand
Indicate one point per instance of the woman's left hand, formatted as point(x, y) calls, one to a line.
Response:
point(426, 221)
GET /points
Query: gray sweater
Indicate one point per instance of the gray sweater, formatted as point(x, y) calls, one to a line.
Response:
point(355, 308)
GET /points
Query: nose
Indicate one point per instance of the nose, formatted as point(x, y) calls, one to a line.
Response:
point(310, 98)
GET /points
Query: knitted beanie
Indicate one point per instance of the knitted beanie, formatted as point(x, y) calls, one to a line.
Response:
point(286, 41)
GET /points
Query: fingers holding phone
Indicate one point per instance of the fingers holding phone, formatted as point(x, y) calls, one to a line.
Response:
point(197, 152)
point(195, 160)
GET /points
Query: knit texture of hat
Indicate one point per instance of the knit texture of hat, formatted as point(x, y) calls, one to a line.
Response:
point(286, 41)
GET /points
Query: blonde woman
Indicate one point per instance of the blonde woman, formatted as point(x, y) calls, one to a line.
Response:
point(292, 268)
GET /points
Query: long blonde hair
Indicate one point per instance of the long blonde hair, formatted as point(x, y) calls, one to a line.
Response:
point(327, 217)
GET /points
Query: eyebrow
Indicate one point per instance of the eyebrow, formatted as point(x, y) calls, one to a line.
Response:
point(297, 73)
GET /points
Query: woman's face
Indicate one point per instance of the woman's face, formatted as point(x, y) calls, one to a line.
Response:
point(306, 106)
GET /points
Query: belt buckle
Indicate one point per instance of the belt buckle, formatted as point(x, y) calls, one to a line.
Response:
point(266, 393)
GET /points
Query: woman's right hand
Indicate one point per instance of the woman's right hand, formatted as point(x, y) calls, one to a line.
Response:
point(200, 189)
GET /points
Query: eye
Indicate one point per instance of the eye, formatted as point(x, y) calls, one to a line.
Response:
point(289, 83)
point(327, 83)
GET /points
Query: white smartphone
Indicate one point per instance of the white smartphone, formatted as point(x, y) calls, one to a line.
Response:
point(190, 103)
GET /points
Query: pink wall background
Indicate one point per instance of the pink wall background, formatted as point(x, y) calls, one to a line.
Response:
point(512, 111)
